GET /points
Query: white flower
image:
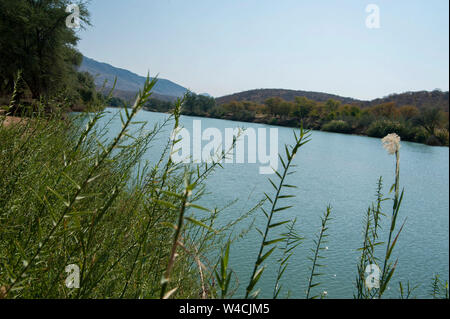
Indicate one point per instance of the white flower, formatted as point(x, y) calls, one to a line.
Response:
point(325, 293)
point(391, 143)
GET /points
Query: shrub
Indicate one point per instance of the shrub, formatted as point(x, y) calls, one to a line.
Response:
point(421, 135)
point(71, 196)
point(382, 128)
point(433, 141)
point(338, 126)
point(442, 136)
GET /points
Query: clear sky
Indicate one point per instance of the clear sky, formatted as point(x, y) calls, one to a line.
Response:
point(227, 46)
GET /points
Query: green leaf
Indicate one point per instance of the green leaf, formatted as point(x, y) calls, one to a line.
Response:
point(278, 224)
point(271, 242)
point(281, 208)
point(199, 223)
point(198, 207)
point(255, 279)
point(264, 257)
point(273, 184)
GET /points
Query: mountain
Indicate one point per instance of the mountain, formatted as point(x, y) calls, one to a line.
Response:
point(420, 99)
point(260, 95)
point(129, 83)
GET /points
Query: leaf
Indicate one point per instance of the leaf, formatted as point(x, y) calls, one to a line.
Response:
point(71, 180)
point(271, 242)
point(199, 223)
point(259, 231)
point(255, 279)
point(394, 242)
point(59, 196)
point(173, 194)
point(281, 208)
point(170, 293)
point(278, 224)
point(166, 203)
point(273, 184)
point(264, 257)
point(198, 207)
point(268, 198)
point(388, 278)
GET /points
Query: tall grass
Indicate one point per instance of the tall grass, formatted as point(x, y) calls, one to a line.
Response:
point(70, 195)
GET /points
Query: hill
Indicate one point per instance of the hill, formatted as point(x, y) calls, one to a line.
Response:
point(260, 95)
point(420, 99)
point(128, 83)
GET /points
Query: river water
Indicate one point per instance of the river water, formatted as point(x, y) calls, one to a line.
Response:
point(342, 171)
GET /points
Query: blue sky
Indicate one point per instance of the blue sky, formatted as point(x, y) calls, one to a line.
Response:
point(226, 46)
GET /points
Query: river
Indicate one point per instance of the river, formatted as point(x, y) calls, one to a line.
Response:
point(342, 171)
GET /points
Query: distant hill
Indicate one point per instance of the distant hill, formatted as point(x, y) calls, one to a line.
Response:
point(129, 83)
point(421, 99)
point(260, 95)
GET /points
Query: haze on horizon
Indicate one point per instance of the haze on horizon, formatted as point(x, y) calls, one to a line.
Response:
point(223, 47)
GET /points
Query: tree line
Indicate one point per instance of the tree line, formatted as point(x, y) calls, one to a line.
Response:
point(427, 125)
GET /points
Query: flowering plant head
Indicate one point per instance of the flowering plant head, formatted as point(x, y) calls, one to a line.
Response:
point(391, 143)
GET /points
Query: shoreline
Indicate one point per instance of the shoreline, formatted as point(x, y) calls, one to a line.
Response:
point(286, 125)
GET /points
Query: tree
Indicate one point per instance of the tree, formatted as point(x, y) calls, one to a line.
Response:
point(386, 110)
point(430, 120)
point(409, 112)
point(273, 105)
point(303, 107)
point(36, 40)
point(332, 105)
point(198, 104)
point(285, 109)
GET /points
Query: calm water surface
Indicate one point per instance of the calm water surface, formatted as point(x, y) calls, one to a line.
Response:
point(340, 170)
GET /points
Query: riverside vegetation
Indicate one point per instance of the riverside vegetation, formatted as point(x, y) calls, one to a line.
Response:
point(428, 125)
point(71, 196)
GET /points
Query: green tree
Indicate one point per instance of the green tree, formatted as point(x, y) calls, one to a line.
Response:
point(386, 110)
point(198, 104)
point(430, 120)
point(303, 107)
point(332, 106)
point(408, 112)
point(273, 105)
point(36, 40)
point(285, 108)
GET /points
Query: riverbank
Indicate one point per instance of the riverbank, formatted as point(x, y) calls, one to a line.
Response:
point(419, 135)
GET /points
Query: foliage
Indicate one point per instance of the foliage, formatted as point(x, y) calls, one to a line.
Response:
point(275, 209)
point(44, 52)
point(423, 126)
point(338, 126)
point(71, 196)
point(439, 288)
point(317, 256)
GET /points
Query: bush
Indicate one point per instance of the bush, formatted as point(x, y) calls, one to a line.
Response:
point(421, 135)
point(433, 141)
point(442, 136)
point(381, 128)
point(70, 196)
point(338, 126)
